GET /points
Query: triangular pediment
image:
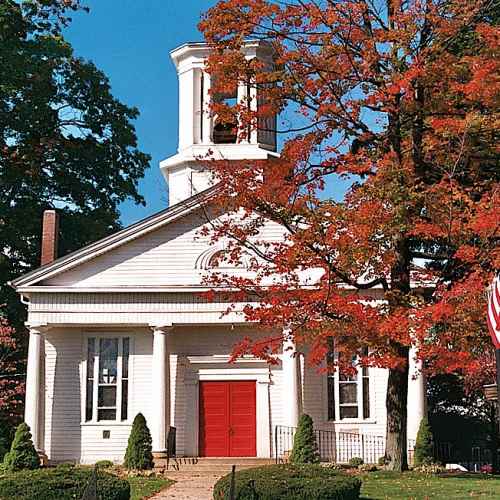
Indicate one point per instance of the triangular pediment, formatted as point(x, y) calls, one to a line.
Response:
point(132, 246)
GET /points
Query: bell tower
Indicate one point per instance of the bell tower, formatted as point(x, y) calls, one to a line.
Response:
point(200, 133)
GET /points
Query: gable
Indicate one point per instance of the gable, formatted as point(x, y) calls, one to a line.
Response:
point(172, 255)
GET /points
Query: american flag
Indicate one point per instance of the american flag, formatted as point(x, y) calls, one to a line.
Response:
point(493, 316)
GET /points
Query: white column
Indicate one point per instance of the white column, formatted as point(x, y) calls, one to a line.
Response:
point(206, 112)
point(160, 389)
point(33, 402)
point(291, 395)
point(263, 424)
point(417, 400)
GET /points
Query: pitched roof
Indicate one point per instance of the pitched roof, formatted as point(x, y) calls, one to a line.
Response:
point(115, 240)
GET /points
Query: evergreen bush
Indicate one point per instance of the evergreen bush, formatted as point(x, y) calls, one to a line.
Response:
point(61, 483)
point(22, 454)
point(356, 461)
point(424, 445)
point(289, 482)
point(305, 450)
point(104, 464)
point(139, 453)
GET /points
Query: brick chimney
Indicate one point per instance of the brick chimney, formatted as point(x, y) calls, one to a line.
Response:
point(50, 236)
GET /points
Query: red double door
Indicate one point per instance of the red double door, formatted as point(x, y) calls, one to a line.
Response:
point(227, 419)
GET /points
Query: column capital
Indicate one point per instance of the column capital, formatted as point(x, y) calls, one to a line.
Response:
point(37, 328)
point(161, 327)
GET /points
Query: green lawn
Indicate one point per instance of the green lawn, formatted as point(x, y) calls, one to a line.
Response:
point(414, 486)
point(144, 487)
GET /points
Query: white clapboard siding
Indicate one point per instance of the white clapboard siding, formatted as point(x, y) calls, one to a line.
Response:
point(165, 257)
point(63, 354)
point(66, 437)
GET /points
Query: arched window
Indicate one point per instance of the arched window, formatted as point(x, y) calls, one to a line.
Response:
point(219, 259)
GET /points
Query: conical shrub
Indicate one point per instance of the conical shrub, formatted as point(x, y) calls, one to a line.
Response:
point(22, 454)
point(305, 449)
point(424, 445)
point(139, 453)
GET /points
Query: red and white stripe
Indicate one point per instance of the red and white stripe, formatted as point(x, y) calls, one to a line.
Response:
point(493, 316)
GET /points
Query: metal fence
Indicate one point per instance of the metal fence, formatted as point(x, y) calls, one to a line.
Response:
point(342, 446)
point(336, 446)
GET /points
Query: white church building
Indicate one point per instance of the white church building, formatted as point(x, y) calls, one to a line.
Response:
point(120, 327)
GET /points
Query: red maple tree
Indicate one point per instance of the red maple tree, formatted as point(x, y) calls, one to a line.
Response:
point(11, 382)
point(400, 98)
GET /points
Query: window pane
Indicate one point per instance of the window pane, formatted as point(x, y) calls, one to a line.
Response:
point(106, 414)
point(108, 356)
point(125, 351)
point(348, 393)
point(89, 393)
point(124, 400)
point(107, 395)
point(89, 400)
point(366, 397)
point(90, 358)
point(348, 412)
point(331, 398)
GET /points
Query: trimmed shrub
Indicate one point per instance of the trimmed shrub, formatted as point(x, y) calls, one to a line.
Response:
point(424, 445)
point(22, 454)
point(305, 450)
point(139, 453)
point(367, 467)
point(104, 464)
point(61, 483)
point(290, 482)
point(356, 461)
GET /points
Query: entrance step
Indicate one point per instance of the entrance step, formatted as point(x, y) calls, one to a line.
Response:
point(205, 465)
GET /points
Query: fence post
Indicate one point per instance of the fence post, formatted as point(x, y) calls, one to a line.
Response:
point(363, 448)
point(233, 485)
point(276, 442)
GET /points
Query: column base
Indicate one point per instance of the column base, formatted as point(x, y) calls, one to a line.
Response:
point(44, 460)
point(160, 454)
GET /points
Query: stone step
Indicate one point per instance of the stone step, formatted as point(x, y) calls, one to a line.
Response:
point(206, 465)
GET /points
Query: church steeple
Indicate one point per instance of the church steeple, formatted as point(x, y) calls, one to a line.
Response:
point(201, 132)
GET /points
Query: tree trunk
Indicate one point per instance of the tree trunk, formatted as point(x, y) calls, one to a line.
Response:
point(396, 404)
point(397, 384)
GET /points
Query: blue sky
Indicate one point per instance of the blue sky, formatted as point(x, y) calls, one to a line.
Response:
point(130, 41)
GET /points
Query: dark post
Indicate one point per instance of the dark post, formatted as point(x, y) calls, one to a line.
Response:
point(232, 487)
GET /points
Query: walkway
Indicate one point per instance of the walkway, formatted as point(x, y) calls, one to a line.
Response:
point(190, 486)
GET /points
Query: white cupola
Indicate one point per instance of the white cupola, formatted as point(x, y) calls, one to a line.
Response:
point(199, 131)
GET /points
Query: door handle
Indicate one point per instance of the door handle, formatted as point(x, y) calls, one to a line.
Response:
point(231, 431)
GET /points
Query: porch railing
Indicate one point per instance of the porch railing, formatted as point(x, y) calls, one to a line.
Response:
point(335, 446)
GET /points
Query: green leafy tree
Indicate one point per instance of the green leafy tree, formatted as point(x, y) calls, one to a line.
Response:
point(424, 446)
point(139, 449)
point(22, 454)
point(305, 450)
point(65, 142)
